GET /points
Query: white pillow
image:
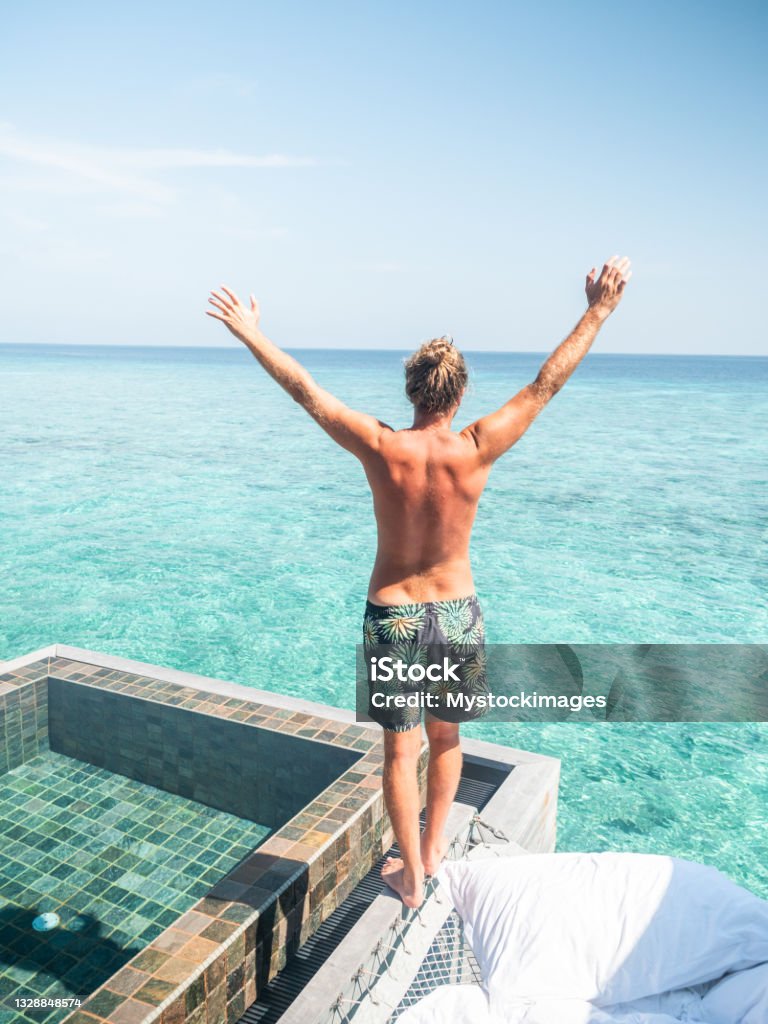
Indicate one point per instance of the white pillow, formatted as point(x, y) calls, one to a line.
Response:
point(740, 998)
point(605, 927)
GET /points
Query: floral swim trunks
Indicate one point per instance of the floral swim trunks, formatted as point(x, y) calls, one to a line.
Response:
point(428, 656)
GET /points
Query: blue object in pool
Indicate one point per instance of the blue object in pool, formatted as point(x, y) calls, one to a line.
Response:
point(45, 922)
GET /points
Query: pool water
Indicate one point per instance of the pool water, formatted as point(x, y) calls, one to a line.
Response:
point(115, 859)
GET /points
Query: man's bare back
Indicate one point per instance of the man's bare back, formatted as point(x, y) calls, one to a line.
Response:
point(426, 483)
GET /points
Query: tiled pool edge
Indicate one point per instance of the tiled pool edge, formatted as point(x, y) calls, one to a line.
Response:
point(23, 715)
point(208, 965)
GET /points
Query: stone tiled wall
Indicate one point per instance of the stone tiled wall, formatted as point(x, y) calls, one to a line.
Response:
point(23, 715)
point(259, 774)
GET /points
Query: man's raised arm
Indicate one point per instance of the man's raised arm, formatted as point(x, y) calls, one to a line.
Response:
point(496, 433)
point(355, 431)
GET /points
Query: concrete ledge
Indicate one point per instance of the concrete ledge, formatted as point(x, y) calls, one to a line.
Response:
point(524, 809)
point(494, 753)
point(45, 653)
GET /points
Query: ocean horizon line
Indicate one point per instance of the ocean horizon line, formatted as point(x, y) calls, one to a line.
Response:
point(377, 350)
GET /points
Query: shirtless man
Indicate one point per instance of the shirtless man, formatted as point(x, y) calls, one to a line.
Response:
point(426, 482)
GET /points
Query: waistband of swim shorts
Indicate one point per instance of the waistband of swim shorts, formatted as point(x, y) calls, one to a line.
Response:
point(383, 610)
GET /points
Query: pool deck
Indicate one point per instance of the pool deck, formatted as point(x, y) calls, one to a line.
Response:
point(208, 966)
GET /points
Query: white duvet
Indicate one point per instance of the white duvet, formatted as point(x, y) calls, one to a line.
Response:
point(606, 938)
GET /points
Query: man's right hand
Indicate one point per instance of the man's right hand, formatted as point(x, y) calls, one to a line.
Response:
point(604, 294)
point(242, 321)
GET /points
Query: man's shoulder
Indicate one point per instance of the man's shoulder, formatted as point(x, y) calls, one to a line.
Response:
point(447, 445)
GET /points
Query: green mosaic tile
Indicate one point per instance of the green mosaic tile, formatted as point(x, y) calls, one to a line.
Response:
point(117, 860)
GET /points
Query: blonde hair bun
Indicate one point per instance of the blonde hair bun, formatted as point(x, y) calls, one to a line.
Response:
point(436, 375)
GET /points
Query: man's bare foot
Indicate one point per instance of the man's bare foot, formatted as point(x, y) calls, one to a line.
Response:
point(431, 858)
point(408, 887)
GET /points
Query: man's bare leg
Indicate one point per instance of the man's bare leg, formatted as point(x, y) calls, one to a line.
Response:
point(401, 795)
point(443, 778)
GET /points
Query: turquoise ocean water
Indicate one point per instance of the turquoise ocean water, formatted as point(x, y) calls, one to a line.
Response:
point(174, 506)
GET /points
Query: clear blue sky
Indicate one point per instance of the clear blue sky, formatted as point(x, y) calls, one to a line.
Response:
point(378, 173)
